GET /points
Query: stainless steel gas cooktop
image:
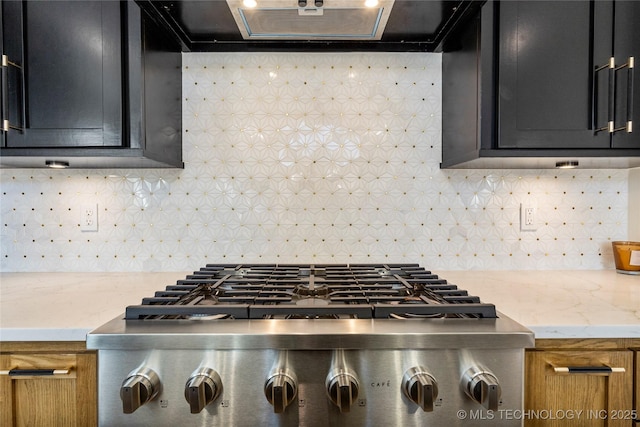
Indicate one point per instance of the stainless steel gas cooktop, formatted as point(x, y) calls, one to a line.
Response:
point(310, 345)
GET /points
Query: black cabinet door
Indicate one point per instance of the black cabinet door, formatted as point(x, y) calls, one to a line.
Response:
point(154, 89)
point(626, 53)
point(468, 87)
point(546, 75)
point(66, 87)
point(566, 74)
point(531, 83)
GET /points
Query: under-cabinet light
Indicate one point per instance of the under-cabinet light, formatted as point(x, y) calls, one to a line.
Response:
point(56, 164)
point(569, 164)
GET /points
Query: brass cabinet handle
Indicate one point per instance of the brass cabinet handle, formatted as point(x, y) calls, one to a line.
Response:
point(5, 96)
point(34, 372)
point(610, 67)
point(6, 63)
point(630, 66)
point(587, 370)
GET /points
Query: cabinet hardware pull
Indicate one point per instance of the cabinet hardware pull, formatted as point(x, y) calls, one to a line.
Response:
point(630, 66)
point(587, 369)
point(608, 128)
point(610, 67)
point(5, 96)
point(6, 63)
point(34, 372)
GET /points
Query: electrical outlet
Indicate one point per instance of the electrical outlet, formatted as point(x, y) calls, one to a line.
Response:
point(89, 218)
point(528, 220)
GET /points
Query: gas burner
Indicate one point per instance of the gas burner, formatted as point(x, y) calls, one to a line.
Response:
point(311, 302)
point(236, 272)
point(405, 316)
point(312, 271)
point(415, 300)
point(411, 300)
point(311, 291)
point(388, 271)
point(202, 317)
point(319, 316)
point(404, 291)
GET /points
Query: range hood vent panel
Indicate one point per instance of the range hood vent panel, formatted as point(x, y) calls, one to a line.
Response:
point(393, 26)
point(336, 20)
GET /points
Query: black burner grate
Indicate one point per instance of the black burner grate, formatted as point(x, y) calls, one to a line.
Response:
point(263, 291)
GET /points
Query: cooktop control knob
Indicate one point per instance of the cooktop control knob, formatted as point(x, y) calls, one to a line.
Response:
point(420, 387)
point(140, 387)
point(281, 389)
point(483, 387)
point(342, 387)
point(203, 387)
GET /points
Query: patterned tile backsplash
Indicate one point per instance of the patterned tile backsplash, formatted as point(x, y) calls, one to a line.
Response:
point(314, 158)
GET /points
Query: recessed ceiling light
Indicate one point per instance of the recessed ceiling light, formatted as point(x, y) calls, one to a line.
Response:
point(249, 3)
point(371, 3)
point(569, 164)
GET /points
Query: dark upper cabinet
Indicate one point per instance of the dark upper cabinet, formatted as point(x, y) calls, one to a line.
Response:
point(626, 94)
point(80, 85)
point(544, 75)
point(66, 84)
point(154, 88)
point(544, 82)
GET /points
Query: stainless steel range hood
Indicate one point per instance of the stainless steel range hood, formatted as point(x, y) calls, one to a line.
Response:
point(326, 20)
point(335, 25)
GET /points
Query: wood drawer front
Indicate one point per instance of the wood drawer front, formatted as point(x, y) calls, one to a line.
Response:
point(65, 400)
point(594, 394)
point(41, 361)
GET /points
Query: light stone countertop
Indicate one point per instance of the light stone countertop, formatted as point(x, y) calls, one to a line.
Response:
point(554, 304)
point(65, 306)
point(560, 304)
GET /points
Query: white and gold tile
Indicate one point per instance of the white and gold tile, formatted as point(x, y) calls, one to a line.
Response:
point(311, 158)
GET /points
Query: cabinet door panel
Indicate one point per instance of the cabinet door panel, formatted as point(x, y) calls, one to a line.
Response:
point(162, 87)
point(71, 58)
point(593, 394)
point(627, 95)
point(545, 76)
point(65, 400)
point(34, 406)
point(64, 90)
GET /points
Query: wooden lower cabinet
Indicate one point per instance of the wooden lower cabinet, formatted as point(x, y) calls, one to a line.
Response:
point(65, 400)
point(636, 391)
point(583, 398)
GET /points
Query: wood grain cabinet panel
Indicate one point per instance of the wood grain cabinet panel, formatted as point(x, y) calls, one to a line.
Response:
point(64, 400)
point(596, 399)
point(636, 393)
